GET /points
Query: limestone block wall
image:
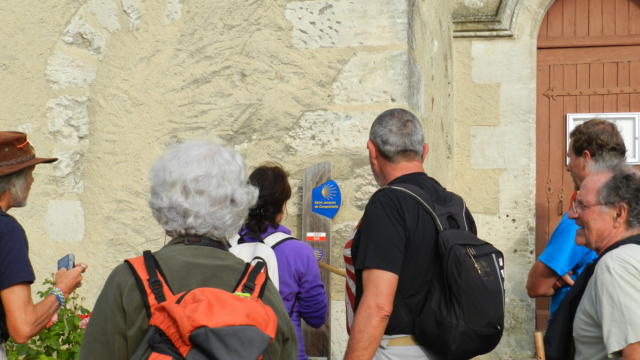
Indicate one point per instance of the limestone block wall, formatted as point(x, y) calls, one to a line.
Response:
point(105, 85)
point(495, 156)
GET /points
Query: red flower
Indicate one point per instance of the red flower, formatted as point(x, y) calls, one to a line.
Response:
point(84, 320)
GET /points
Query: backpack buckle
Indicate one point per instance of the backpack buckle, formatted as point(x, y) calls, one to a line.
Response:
point(249, 287)
point(155, 284)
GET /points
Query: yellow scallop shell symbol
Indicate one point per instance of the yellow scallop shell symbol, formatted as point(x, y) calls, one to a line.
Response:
point(328, 191)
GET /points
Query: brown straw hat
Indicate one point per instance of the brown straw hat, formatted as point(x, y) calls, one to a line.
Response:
point(16, 153)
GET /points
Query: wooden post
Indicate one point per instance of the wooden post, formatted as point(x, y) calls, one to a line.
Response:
point(317, 341)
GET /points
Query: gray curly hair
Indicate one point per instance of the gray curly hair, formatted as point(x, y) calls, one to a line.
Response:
point(200, 188)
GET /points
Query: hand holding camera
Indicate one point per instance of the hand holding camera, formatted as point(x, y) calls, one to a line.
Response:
point(69, 275)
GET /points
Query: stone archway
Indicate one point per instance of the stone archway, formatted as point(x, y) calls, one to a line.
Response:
point(70, 72)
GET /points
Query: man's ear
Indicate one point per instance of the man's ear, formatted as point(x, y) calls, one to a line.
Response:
point(425, 150)
point(373, 151)
point(621, 215)
point(587, 155)
point(372, 148)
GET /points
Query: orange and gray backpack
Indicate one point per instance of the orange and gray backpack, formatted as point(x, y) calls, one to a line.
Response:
point(203, 323)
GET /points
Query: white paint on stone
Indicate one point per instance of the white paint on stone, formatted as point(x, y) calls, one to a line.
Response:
point(106, 12)
point(329, 132)
point(173, 11)
point(68, 170)
point(65, 220)
point(68, 119)
point(80, 33)
point(509, 149)
point(132, 9)
point(371, 77)
point(503, 61)
point(64, 71)
point(347, 23)
point(474, 4)
point(494, 148)
point(339, 336)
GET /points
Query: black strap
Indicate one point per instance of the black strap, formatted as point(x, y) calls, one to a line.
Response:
point(453, 214)
point(250, 283)
point(282, 241)
point(141, 288)
point(286, 238)
point(558, 340)
point(204, 241)
point(154, 282)
point(242, 240)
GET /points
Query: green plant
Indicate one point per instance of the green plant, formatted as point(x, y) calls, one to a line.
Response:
point(62, 337)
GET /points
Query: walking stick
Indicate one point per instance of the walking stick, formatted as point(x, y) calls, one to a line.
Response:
point(332, 269)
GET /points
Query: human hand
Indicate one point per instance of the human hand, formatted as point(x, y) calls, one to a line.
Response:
point(69, 280)
point(564, 280)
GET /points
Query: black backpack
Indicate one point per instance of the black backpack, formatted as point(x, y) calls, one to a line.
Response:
point(463, 314)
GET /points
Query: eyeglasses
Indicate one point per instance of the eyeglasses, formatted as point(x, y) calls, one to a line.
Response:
point(578, 206)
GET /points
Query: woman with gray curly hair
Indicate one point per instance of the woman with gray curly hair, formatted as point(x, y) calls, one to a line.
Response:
point(199, 188)
point(200, 196)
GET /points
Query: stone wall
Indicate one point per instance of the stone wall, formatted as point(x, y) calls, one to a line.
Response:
point(495, 156)
point(105, 85)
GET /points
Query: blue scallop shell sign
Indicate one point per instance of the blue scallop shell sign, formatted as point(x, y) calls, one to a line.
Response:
point(326, 199)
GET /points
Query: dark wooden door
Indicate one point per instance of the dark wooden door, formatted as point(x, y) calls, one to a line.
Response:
point(588, 62)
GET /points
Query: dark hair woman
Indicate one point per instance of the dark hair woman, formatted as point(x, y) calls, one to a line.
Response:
point(299, 277)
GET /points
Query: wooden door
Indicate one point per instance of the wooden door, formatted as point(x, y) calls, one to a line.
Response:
point(588, 62)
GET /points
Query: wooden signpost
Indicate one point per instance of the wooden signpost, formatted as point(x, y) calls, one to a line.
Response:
point(316, 231)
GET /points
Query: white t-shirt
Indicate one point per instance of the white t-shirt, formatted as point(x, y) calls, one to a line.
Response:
point(608, 317)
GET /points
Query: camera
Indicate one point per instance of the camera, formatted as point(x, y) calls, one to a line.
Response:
point(67, 262)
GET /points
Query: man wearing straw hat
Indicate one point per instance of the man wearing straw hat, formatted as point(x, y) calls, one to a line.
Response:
point(20, 318)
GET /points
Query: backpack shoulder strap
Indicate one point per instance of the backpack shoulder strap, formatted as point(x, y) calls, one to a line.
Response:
point(233, 241)
point(444, 215)
point(150, 280)
point(276, 239)
point(253, 279)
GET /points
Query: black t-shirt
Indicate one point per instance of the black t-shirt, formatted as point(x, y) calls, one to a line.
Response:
point(15, 267)
point(397, 235)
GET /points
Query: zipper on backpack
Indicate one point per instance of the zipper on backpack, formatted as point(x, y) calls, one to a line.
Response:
point(469, 251)
point(500, 276)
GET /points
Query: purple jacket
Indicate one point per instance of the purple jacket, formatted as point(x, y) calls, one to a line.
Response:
point(301, 289)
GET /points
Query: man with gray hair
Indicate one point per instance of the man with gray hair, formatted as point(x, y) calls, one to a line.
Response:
point(391, 260)
point(607, 319)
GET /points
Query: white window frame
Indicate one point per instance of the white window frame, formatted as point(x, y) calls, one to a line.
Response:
point(627, 123)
